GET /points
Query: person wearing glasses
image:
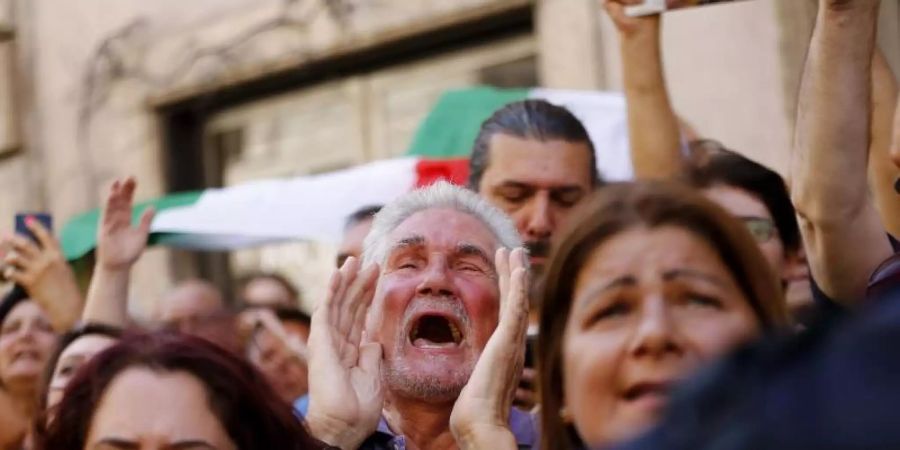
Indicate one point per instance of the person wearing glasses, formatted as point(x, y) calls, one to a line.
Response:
point(748, 190)
point(758, 197)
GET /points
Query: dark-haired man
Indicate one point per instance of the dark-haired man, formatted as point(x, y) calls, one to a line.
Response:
point(355, 230)
point(535, 161)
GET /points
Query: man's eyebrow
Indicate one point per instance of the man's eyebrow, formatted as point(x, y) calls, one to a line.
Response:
point(407, 242)
point(466, 249)
point(505, 184)
point(567, 189)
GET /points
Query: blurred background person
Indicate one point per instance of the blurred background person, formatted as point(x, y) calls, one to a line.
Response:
point(73, 350)
point(44, 303)
point(267, 290)
point(355, 230)
point(196, 307)
point(278, 349)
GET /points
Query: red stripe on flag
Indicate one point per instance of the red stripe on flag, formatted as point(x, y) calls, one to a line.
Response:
point(455, 171)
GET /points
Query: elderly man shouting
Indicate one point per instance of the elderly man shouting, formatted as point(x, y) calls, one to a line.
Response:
point(438, 277)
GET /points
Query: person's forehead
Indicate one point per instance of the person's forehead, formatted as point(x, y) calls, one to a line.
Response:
point(25, 308)
point(738, 202)
point(548, 163)
point(445, 228)
point(88, 344)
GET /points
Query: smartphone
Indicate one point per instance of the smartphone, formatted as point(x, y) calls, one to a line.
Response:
point(650, 7)
point(44, 218)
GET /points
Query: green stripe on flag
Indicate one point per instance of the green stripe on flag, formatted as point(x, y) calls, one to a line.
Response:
point(452, 125)
point(79, 235)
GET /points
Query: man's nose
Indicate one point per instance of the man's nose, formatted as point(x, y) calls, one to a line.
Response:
point(539, 217)
point(436, 278)
point(656, 334)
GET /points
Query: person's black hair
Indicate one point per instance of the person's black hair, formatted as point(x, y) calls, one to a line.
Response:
point(726, 167)
point(361, 214)
point(12, 298)
point(528, 119)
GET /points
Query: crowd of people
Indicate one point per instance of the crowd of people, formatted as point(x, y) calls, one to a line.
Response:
point(710, 304)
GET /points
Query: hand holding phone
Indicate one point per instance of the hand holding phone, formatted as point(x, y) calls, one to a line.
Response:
point(21, 224)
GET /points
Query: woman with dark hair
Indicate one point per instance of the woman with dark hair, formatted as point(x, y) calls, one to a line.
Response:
point(650, 282)
point(73, 350)
point(26, 340)
point(161, 390)
point(759, 197)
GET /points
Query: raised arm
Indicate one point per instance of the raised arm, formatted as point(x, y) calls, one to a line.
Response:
point(842, 231)
point(653, 128)
point(43, 271)
point(882, 172)
point(119, 245)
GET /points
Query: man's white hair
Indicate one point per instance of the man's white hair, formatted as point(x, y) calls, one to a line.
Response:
point(440, 195)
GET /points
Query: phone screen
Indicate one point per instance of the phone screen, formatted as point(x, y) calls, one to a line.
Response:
point(43, 218)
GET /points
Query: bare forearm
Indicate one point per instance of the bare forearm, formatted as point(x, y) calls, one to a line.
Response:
point(843, 234)
point(107, 299)
point(882, 172)
point(652, 124)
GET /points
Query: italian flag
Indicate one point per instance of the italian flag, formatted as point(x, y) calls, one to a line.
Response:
point(315, 207)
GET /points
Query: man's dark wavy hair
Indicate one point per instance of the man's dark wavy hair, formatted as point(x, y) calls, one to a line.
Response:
point(528, 119)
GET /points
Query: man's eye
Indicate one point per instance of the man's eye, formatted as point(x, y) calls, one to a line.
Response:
point(567, 198)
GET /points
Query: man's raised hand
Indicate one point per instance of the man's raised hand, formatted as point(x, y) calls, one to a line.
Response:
point(119, 244)
point(344, 368)
point(481, 414)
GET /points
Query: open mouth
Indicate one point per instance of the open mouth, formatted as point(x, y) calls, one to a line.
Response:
point(435, 331)
point(641, 391)
point(26, 354)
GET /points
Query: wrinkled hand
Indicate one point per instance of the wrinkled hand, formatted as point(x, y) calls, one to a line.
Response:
point(344, 370)
point(629, 26)
point(119, 244)
point(44, 273)
point(480, 417)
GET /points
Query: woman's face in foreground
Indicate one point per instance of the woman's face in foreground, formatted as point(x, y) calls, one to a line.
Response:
point(71, 359)
point(649, 307)
point(143, 409)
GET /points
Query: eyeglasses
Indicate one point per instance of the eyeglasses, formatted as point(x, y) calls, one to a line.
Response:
point(761, 228)
point(885, 278)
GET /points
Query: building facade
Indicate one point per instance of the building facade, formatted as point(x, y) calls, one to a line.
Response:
point(188, 94)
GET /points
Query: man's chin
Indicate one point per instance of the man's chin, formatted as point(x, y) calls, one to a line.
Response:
point(435, 379)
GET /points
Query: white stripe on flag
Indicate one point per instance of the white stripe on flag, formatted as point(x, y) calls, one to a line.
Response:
point(605, 117)
point(309, 207)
